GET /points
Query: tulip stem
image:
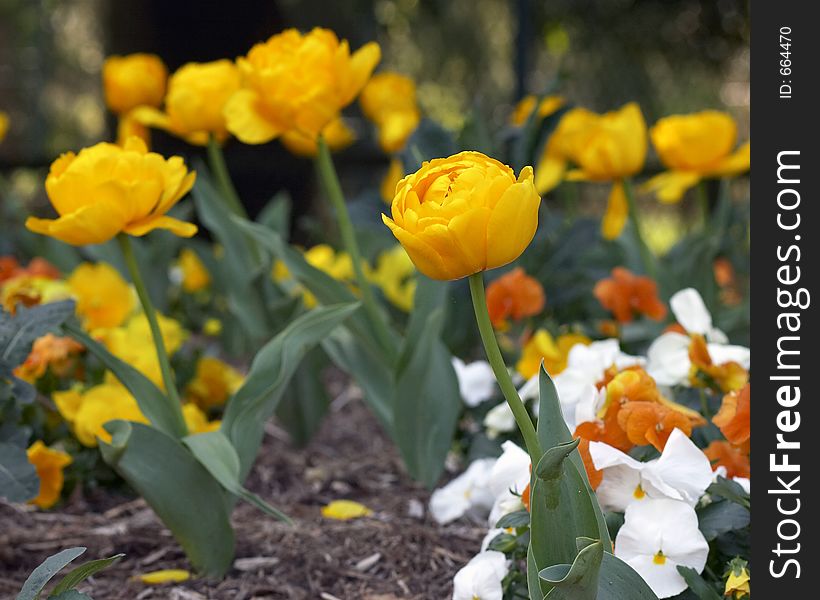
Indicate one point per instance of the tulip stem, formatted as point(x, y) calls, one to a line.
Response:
point(156, 333)
point(216, 159)
point(330, 180)
point(485, 328)
point(705, 209)
point(646, 253)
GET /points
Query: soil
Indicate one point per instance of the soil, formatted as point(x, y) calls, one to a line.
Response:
point(399, 552)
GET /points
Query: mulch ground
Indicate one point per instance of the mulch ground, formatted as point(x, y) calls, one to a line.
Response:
point(399, 552)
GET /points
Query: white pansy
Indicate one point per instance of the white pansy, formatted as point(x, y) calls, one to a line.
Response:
point(681, 473)
point(480, 579)
point(469, 491)
point(491, 535)
point(656, 538)
point(509, 477)
point(691, 312)
point(499, 419)
point(476, 381)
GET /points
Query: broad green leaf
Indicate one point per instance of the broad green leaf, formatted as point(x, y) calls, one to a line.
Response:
point(552, 462)
point(426, 403)
point(185, 496)
point(720, 517)
point(48, 568)
point(214, 452)
point(698, 584)
point(153, 403)
point(578, 581)
point(731, 490)
point(272, 367)
point(18, 331)
point(519, 518)
point(18, 477)
point(619, 581)
point(276, 214)
point(83, 572)
point(305, 402)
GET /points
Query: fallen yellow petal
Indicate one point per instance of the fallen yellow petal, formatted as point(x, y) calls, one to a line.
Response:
point(343, 510)
point(164, 576)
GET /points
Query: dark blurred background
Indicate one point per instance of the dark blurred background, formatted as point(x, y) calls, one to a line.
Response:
point(670, 56)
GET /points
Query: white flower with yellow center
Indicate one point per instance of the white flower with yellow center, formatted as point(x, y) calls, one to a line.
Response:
point(469, 491)
point(480, 579)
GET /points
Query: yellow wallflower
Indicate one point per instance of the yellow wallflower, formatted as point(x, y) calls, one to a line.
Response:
point(197, 94)
point(197, 421)
point(543, 347)
point(467, 213)
point(606, 147)
point(394, 275)
point(4, 124)
point(693, 147)
point(297, 81)
point(104, 298)
point(133, 80)
point(336, 133)
point(213, 383)
point(101, 404)
point(49, 465)
point(68, 402)
point(195, 276)
point(738, 585)
point(389, 100)
point(549, 105)
point(107, 189)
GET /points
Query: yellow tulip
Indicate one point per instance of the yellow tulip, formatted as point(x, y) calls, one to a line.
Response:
point(394, 275)
point(107, 189)
point(197, 95)
point(693, 147)
point(49, 465)
point(195, 276)
point(554, 353)
point(297, 81)
point(4, 125)
point(104, 298)
point(389, 100)
point(337, 135)
point(101, 404)
point(197, 421)
point(133, 80)
point(213, 383)
point(467, 213)
point(394, 174)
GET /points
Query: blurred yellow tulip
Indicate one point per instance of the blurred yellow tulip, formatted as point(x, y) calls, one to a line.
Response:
point(4, 125)
point(296, 81)
point(337, 135)
point(467, 213)
point(548, 105)
point(104, 298)
point(107, 189)
point(389, 100)
point(133, 80)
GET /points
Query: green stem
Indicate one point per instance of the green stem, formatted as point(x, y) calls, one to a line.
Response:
point(156, 333)
point(634, 217)
point(705, 209)
point(485, 328)
point(328, 176)
point(216, 159)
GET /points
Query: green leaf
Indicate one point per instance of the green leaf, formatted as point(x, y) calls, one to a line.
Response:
point(619, 581)
point(153, 403)
point(83, 572)
point(552, 462)
point(271, 370)
point(276, 214)
point(698, 584)
point(18, 331)
point(18, 477)
point(731, 490)
point(426, 403)
point(519, 518)
point(71, 595)
point(578, 581)
point(48, 568)
point(185, 496)
point(214, 452)
point(305, 402)
point(721, 517)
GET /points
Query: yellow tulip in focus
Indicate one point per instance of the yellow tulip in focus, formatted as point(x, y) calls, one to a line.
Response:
point(337, 135)
point(467, 213)
point(195, 276)
point(389, 100)
point(213, 383)
point(133, 80)
point(297, 81)
point(104, 298)
point(99, 405)
point(554, 353)
point(694, 147)
point(107, 189)
point(4, 125)
point(197, 94)
point(49, 465)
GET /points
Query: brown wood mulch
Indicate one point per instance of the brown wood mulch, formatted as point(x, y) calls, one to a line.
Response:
point(398, 553)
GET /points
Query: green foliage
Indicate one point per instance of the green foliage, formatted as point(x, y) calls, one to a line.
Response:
point(18, 478)
point(33, 587)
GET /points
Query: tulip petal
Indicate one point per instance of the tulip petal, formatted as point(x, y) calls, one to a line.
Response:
point(617, 210)
point(362, 63)
point(246, 122)
point(549, 172)
point(512, 223)
point(469, 232)
point(426, 259)
point(175, 226)
point(670, 186)
point(736, 163)
point(92, 224)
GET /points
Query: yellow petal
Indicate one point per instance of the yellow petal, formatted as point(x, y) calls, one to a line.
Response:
point(616, 213)
point(175, 226)
point(362, 63)
point(737, 162)
point(513, 221)
point(425, 257)
point(343, 510)
point(670, 186)
point(246, 122)
point(549, 172)
point(91, 224)
point(164, 576)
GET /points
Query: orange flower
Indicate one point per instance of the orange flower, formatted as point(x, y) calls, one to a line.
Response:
point(727, 377)
point(650, 423)
point(9, 267)
point(625, 294)
point(606, 430)
point(49, 464)
point(594, 475)
point(48, 351)
point(723, 454)
point(37, 267)
point(514, 295)
point(734, 418)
